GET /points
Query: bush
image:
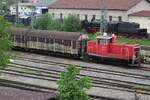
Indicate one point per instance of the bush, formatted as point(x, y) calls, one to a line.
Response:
point(71, 88)
point(55, 25)
point(93, 36)
point(5, 42)
point(43, 22)
point(47, 22)
point(72, 23)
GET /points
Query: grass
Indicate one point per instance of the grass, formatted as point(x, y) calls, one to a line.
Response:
point(145, 42)
point(93, 36)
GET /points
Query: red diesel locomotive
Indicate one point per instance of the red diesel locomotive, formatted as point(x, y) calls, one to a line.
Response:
point(108, 48)
point(104, 48)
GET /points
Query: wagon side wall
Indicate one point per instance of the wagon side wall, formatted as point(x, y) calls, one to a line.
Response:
point(48, 43)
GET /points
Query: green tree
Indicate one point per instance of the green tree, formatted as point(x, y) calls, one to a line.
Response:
point(56, 25)
point(5, 42)
point(72, 23)
point(43, 22)
point(71, 88)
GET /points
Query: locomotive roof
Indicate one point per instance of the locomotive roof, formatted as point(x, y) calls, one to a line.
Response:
point(51, 34)
point(103, 37)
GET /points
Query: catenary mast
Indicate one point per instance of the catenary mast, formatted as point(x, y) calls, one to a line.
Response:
point(103, 21)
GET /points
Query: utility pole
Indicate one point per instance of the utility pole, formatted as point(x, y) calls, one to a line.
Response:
point(17, 13)
point(32, 16)
point(33, 12)
point(103, 21)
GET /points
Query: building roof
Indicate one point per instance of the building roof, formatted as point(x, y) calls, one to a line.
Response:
point(24, 4)
point(93, 4)
point(41, 3)
point(141, 14)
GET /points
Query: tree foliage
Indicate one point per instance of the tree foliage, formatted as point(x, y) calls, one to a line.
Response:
point(71, 88)
point(5, 42)
point(56, 25)
point(47, 22)
point(72, 23)
point(43, 22)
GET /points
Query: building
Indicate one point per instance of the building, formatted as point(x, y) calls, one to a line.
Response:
point(24, 9)
point(41, 5)
point(118, 10)
point(141, 17)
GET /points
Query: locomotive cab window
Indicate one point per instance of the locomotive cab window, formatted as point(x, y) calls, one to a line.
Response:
point(103, 41)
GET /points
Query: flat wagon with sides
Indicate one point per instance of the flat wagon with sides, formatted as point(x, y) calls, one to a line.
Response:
point(69, 43)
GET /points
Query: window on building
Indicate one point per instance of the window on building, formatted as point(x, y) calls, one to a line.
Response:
point(61, 16)
point(13, 12)
point(110, 18)
point(93, 18)
point(86, 17)
point(53, 14)
point(69, 14)
point(120, 18)
point(78, 15)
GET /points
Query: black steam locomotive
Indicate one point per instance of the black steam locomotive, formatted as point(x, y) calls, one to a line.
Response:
point(121, 28)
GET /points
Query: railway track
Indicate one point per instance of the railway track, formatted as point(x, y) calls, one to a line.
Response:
point(87, 68)
point(54, 77)
point(36, 88)
point(97, 81)
point(145, 68)
point(24, 86)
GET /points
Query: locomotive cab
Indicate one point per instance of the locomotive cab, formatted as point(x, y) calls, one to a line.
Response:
point(102, 44)
point(106, 39)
